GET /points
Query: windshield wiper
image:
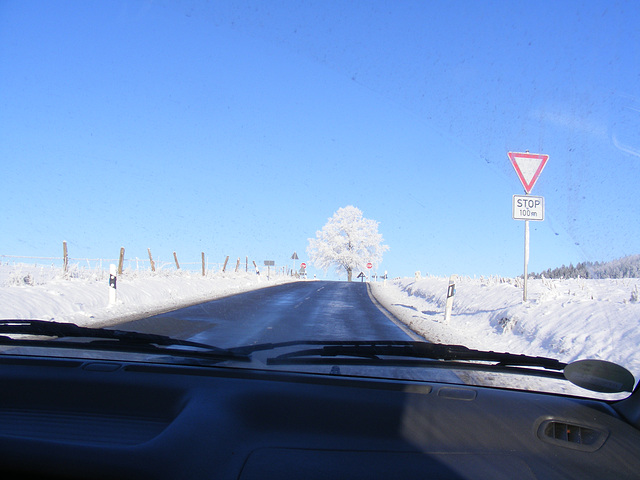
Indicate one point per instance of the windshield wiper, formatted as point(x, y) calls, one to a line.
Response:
point(107, 339)
point(406, 353)
point(591, 374)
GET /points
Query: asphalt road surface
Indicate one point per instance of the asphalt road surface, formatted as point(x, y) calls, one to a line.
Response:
point(313, 310)
point(295, 311)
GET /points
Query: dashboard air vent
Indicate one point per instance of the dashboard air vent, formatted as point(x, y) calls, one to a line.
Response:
point(571, 435)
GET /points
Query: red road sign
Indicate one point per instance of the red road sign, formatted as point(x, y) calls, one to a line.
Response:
point(303, 265)
point(369, 265)
point(528, 166)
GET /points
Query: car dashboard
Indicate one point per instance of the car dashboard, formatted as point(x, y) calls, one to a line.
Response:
point(78, 418)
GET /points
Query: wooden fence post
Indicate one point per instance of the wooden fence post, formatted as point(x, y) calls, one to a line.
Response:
point(121, 261)
point(153, 265)
point(202, 264)
point(65, 261)
point(175, 257)
point(237, 264)
point(224, 267)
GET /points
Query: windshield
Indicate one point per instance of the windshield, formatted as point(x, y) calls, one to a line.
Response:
point(453, 172)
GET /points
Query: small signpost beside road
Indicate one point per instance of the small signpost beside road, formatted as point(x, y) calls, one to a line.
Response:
point(269, 264)
point(369, 267)
point(528, 167)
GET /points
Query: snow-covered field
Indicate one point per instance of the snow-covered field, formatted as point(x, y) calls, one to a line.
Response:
point(563, 319)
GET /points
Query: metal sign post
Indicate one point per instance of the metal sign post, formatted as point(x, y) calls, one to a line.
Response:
point(526, 260)
point(527, 207)
point(528, 167)
point(269, 264)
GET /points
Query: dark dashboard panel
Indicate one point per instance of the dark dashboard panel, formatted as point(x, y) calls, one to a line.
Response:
point(75, 419)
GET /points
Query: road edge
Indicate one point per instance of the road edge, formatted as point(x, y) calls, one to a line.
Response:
point(401, 325)
point(161, 309)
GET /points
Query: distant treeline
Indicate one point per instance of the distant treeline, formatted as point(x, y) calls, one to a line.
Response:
point(625, 267)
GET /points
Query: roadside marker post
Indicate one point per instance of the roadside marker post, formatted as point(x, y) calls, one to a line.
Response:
point(451, 291)
point(112, 284)
point(528, 167)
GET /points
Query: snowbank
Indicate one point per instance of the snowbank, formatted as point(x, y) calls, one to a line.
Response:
point(564, 319)
point(81, 297)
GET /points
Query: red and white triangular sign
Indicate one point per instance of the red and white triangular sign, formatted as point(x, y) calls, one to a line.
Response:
point(528, 166)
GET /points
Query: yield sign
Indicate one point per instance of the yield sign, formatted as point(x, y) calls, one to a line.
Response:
point(528, 166)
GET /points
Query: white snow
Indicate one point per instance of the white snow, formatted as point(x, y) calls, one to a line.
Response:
point(81, 297)
point(563, 319)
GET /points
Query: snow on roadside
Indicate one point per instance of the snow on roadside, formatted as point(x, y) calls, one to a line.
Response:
point(564, 319)
point(31, 292)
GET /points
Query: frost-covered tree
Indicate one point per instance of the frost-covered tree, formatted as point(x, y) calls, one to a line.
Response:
point(347, 242)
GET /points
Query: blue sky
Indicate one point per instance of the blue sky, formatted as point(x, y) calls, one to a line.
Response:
point(239, 128)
